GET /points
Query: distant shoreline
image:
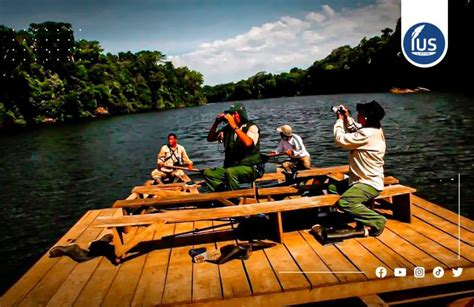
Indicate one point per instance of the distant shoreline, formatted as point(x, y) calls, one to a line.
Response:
point(20, 128)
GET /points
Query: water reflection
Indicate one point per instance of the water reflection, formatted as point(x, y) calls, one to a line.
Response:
point(51, 176)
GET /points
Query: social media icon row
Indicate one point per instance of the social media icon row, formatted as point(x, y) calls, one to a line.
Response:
point(418, 272)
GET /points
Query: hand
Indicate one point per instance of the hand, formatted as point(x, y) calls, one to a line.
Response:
point(160, 164)
point(344, 113)
point(220, 117)
point(231, 121)
point(220, 136)
point(289, 152)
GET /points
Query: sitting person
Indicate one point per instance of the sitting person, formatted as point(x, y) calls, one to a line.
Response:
point(242, 162)
point(171, 154)
point(292, 145)
point(366, 165)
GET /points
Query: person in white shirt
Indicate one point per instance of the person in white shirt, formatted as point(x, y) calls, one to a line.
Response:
point(292, 145)
point(366, 165)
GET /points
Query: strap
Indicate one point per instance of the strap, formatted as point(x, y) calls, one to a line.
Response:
point(173, 154)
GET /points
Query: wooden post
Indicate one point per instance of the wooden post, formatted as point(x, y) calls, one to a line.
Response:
point(255, 191)
point(402, 207)
point(122, 248)
point(117, 240)
point(278, 227)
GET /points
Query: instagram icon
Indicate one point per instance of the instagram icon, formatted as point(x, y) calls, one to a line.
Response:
point(419, 272)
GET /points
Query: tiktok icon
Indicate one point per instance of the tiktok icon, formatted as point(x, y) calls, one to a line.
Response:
point(438, 272)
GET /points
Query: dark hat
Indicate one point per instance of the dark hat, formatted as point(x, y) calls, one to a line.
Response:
point(239, 108)
point(373, 111)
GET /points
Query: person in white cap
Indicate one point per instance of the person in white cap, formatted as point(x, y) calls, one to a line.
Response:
point(292, 145)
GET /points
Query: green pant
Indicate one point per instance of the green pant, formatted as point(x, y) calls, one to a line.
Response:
point(222, 179)
point(352, 203)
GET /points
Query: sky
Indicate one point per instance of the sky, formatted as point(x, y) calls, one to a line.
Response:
point(224, 40)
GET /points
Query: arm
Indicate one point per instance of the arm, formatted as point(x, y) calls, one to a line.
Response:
point(246, 139)
point(248, 142)
point(347, 140)
point(161, 156)
point(213, 133)
point(279, 148)
point(350, 125)
point(184, 156)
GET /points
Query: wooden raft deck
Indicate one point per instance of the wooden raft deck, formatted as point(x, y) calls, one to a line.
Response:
point(165, 273)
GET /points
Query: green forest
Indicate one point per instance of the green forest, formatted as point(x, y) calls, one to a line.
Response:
point(341, 71)
point(376, 64)
point(47, 76)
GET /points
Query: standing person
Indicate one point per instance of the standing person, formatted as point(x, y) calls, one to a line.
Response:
point(171, 154)
point(241, 139)
point(366, 164)
point(292, 145)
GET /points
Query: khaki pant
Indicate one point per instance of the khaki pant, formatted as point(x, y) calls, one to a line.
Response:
point(300, 163)
point(159, 175)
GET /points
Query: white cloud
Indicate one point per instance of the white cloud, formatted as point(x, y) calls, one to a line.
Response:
point(315, 17)
point(328, 10)
point(288, 42)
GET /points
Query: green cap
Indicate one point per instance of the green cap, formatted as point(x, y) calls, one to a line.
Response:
point(239, 108)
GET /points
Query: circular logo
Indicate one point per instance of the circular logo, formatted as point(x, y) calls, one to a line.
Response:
point(438, 272)
point(424, 43)
point(381, 272)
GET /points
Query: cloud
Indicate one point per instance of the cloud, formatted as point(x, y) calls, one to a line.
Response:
point(328, 10)
point(288, 42)
point(315, 17)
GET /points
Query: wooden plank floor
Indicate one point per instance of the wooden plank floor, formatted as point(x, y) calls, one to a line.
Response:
point(299, 270)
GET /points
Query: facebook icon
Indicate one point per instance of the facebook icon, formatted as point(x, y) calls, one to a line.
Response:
point(381, 272)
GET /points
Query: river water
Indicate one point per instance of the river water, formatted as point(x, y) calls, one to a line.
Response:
point(51, 176)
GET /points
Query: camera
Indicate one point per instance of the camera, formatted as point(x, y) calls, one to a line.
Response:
point(338, 109)
point(221, 119)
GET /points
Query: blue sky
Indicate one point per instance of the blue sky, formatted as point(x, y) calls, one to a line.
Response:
point(224, 40)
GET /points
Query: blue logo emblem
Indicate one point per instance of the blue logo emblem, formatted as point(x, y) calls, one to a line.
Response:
point(424, 43)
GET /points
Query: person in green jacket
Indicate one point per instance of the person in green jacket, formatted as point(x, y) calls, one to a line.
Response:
point(241, 139)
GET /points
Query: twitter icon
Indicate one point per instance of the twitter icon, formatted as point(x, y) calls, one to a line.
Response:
point(457, 272)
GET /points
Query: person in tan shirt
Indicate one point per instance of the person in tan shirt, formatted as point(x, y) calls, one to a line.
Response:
point(171, 154)
point(366, 164)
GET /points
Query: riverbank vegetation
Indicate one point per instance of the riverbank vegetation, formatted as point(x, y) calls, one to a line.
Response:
point(48, 76)
point(376, 64)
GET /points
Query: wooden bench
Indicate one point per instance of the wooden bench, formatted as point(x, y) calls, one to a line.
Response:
point(334, 172)
point(306, 174)
point(150, 188)
point(400, 194)
point(180, 198)
point(388, 180)
point(186, 199)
